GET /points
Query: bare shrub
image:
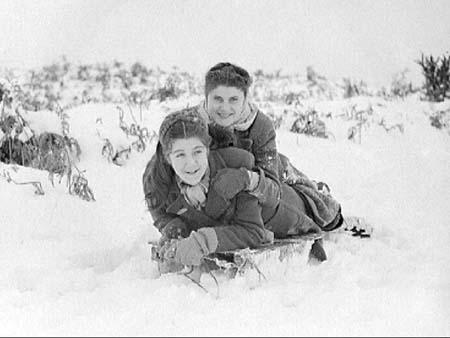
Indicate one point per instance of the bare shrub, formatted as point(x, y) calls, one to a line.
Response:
point(437, 77)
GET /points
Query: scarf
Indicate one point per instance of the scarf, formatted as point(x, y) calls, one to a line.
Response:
point(195, 195)
point(248, 116)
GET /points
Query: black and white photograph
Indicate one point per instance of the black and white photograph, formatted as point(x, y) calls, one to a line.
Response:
point(209, 168)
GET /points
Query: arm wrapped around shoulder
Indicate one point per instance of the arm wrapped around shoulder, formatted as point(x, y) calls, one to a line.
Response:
point(228, 182)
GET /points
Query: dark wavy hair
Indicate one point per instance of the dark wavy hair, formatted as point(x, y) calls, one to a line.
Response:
point(157, 178)
point(159, 174)
point(183, 124)
point(229, 75)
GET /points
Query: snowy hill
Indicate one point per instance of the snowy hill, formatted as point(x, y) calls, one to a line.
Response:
point(73, 267)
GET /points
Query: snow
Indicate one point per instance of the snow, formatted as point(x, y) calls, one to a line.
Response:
point(72, 267)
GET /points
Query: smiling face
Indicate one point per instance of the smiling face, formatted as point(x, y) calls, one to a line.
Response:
point(225, 105)
point(189, 159)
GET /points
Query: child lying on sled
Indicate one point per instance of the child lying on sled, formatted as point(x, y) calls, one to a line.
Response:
point(184, 183)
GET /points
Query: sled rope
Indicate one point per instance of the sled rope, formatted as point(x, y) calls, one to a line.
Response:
point(187, 273)
point(247, 260)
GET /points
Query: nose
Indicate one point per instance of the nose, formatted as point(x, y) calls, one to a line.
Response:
point(226, 105)
point(223, 105)
point(190, 162)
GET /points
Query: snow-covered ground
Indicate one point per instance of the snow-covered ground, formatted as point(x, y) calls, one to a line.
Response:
point(72, 267)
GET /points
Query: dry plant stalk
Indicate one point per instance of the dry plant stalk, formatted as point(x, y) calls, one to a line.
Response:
point(36, 184)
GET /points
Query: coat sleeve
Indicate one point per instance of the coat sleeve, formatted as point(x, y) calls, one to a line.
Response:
point(246, 230)
point(268, 189)
point(162, 220)
point(266, 159)
point(264, 145)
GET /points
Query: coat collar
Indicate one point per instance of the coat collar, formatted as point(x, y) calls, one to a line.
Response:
point(215, 204)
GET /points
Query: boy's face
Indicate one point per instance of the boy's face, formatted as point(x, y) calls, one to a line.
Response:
point(225, 105)
point(189, 159)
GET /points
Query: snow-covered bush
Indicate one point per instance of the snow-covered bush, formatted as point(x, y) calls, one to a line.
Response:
point(310, 124)
point(21, 145)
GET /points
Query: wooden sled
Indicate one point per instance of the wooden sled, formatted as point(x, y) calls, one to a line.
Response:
point(239, 262)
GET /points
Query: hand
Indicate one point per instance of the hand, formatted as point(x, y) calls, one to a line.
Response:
point(228, 182)
point(190, 251)
point(176, 228)
point(166, 253)
point(167, 249)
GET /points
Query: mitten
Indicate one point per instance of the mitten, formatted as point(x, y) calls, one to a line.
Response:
point(166, 254)
point(221, 136)
point(176, 228)
point(228, 182)
point(167, 249)
point(190, 251)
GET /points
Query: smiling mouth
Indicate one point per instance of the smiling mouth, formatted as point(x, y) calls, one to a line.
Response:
point(192, 172)
point(224, 115)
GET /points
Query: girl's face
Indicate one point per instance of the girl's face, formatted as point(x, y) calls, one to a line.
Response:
point(189, 159)
point(225, 105)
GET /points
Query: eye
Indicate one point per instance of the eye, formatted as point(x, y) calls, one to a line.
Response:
point(199, 151)
point(218, 99)
point(179, 155)
point(234, 99)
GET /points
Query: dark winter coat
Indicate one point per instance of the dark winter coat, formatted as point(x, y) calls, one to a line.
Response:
point(259, 139)
point(240, 222)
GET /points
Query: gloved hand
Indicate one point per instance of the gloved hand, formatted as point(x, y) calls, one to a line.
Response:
point(228, 182)
point(166, 253)
point(176, 228)
point(190, 251)
point(167, 249)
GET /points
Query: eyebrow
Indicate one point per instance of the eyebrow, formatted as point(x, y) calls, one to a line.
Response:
point(234, 97)
point(199, 147)
point(183, 150)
